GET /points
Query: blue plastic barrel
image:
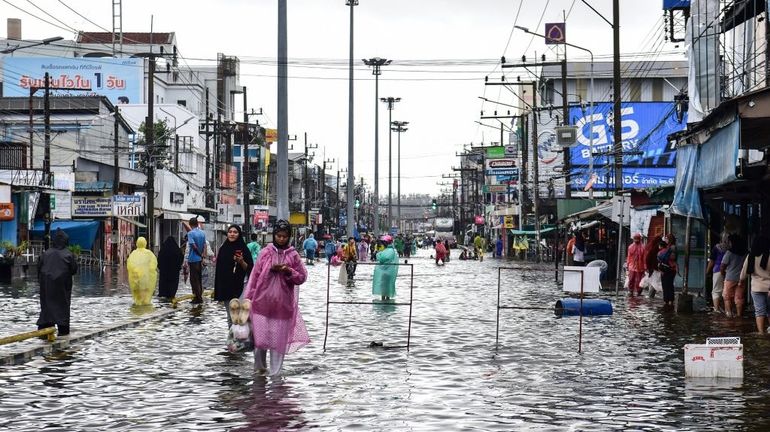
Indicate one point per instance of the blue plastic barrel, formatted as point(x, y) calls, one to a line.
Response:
point(571, 307)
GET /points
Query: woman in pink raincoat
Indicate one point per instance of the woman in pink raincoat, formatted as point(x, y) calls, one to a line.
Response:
point(273, 289)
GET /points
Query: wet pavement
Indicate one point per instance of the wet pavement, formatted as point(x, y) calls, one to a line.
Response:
point(174, 374)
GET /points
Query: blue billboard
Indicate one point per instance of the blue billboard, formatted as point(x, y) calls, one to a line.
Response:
point(648, 159)
point(120, 79)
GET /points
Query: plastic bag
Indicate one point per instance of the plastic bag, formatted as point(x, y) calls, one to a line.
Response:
point(239, 344)
point(626, 283)
point(276, 301)
point(645, 282)
point(343, 279)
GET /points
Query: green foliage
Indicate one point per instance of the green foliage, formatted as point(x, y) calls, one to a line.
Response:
point(75, 249)
point(10, 252)
point(160, 151)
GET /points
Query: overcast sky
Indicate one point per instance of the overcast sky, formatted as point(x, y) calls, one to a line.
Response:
point(441, 51)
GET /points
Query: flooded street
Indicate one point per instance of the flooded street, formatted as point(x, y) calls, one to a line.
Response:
point(174, 374)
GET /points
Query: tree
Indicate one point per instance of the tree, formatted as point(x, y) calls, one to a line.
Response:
point(161, 150)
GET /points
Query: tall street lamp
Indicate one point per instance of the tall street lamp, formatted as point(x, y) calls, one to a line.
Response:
point(391, 102)
point(399, 126)
point(351, 177)
point(45, 41)
point(376, 63)
point(591, 110)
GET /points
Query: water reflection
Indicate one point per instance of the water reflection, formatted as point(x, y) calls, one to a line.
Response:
point(268, 404)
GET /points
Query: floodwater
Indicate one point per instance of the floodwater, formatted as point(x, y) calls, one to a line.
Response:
point(174, 374)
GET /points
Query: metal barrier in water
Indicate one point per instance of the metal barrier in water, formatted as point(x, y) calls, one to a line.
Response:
point(411, 297)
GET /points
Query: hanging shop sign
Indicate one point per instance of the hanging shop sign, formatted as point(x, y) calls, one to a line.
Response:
point(7, 212)
point(505, 166)
point(128, 206)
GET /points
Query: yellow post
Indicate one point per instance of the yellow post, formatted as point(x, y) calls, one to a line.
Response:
point(49, 332)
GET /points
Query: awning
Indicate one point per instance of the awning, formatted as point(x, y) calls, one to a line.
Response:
point(80, 233)
point(129, 220)
point(604, 210)
point(530, 232)
point(172, 215)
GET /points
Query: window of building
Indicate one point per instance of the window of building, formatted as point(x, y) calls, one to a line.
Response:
point(181, 102)
point(237, 150)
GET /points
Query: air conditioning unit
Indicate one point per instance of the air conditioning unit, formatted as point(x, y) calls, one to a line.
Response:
point(566, 136)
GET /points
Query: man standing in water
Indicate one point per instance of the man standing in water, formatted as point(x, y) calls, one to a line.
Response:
point(196, 252)
point(56, 268)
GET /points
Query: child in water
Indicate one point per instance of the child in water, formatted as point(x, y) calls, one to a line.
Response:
point(273, 288)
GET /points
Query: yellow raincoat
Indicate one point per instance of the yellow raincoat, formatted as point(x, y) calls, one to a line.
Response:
point(142, 273)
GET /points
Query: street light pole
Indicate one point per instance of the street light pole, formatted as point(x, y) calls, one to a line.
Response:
point(391, 101)
point(376, 63)
point(282, 190)
point(591, 96)
point(399, 126)
point(350, 220)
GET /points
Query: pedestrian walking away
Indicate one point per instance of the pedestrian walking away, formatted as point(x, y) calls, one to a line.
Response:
point(55, 270)
point(273, 289)
point(196, 252)
point(635, 265)
point(170, 259)
point(757, 269)
point(570, 247)
point(441, 253)
point(579, 250)
point(714, 268)
point(234, 264)
point(732, 262)
point(309, 246)
point(667, 256)
point(386, 271)
point(142, 267)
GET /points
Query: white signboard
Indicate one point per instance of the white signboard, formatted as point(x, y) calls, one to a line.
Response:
point(91, 206)
point(713, 360)
point(506, 166)
point(127, 206)
point(62, 209)
point(573, 275)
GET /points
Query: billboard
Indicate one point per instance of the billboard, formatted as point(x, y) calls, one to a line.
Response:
point(648, 159)
point(120, 79)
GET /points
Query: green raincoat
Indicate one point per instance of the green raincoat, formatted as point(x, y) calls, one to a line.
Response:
point(385, 275)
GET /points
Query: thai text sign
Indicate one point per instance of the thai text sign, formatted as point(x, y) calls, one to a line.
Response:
point(648, 158)
point(128, 206)
point(91, 206)
point(118, 79)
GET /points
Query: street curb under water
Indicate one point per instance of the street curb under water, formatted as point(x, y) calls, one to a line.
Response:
point(19, 357)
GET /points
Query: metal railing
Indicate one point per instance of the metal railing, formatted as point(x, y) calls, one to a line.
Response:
point(329, 301)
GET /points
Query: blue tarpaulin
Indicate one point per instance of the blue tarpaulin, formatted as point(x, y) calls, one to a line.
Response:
point(708, 165)
point(81, 233)
point(675, 4)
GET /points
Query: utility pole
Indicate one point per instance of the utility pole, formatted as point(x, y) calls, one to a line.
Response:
point(245, 170)
point(565, 121)
point(307, 180)
point(350, 220)
point(616, 110)
point(149, 136)
point(282, 179)
point(535, 171)
point(208, 194)
point(115, 184)
point(47, 162)
point(399, 126)
point(339, 199)
point(376, 63)
point(391, 101)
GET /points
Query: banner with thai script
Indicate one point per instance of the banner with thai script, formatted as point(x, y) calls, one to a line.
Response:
point(649, 161)
point(91, 206)
point(120, 79)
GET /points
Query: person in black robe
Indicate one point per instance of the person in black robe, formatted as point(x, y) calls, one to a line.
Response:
point(55, 270)
point(170, 261)
point(234, 264)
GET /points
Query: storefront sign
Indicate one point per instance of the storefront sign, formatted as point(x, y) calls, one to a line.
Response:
point(128, 205)
point(62, 209)
point(91, 206)
point(508, 222)
point(505, 166)
point(6, 211)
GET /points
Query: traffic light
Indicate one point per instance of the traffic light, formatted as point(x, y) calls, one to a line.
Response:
point(433, 204)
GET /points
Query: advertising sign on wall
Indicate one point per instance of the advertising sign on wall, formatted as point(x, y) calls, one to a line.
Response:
point(128, 205)
point(120, 79)
point(506, 166)
point(63, 207)
point(648, 159)
point(91, 206)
